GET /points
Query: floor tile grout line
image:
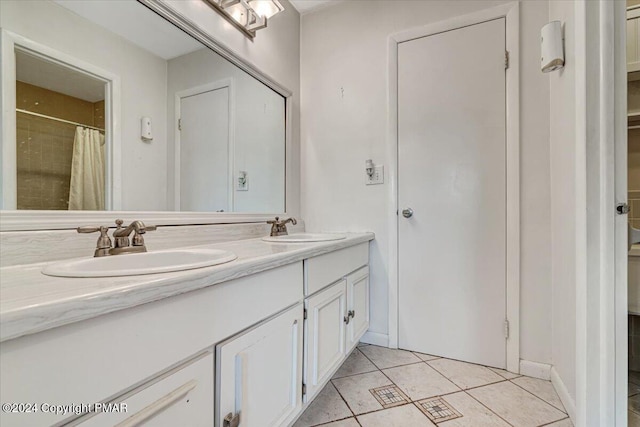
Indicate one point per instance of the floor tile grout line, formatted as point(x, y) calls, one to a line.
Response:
point(563, 410)
point(377, 370)
point(342, 397)
point(488, 409)
point(394, 384)
point(367, 372)
point(334, 421)
point(397, 349)
point(430, 420)
point(395, 366)
point(508, 379)
point(353, 375)
point(452, 382)
point(470, 395)
point(557, 421)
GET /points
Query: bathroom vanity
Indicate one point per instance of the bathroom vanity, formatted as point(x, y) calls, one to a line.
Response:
point(248, 343)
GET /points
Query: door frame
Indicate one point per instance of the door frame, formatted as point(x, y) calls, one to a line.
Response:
point(9, 43)
point(601, 295)
point(208, 87)
point(511, 13)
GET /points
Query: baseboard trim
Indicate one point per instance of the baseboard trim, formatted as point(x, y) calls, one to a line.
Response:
point(535, 369)
point(563, 393)
point(375, 338)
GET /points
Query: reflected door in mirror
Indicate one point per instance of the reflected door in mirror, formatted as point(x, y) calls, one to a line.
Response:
point(204, 152)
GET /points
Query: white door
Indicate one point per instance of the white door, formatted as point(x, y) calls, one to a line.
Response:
point(204, 151)
point(451, 173)
point(324, 336)
point(260, 373)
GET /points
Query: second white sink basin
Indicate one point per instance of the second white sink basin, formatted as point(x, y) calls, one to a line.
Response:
point(305, 237)
point(142, 263)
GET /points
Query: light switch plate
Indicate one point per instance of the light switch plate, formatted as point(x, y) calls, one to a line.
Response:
point(377, 177)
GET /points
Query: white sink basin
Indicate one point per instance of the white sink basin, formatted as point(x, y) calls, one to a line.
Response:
point(142, 263)
point(305, 237)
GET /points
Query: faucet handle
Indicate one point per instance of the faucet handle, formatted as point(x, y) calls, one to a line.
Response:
point(104, 242)
point(276, 221)
point(138, 239)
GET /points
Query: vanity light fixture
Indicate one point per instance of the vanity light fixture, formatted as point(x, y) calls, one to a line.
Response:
point(247, 15)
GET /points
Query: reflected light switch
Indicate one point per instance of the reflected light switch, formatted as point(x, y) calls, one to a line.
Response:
point(242, 182)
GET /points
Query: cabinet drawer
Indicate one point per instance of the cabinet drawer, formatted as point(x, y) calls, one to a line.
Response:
point(326, 269)
point(182, 396)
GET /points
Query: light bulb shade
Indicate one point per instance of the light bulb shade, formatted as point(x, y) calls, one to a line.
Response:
point(238, 12)
point(266, 8)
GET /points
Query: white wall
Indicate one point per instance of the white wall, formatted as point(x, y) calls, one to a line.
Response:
point(344, 47)
point(259, 142)
point(143, 88)
point(276, 52)
point(563, 145)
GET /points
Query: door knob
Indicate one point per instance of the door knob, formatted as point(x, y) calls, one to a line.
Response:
point(407, 213)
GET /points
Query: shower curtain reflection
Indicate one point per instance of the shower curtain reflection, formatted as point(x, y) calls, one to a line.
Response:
point(86, 191)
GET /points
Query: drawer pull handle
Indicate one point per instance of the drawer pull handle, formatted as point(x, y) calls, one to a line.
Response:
point(158, 406)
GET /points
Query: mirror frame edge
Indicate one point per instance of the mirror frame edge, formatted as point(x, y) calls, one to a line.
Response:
point(34, 220)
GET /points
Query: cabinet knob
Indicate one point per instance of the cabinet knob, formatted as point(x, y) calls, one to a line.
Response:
point(349, 316)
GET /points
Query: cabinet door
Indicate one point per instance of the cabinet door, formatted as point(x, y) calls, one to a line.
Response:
point(325, 336)
point(260, 373)
point(357, 306)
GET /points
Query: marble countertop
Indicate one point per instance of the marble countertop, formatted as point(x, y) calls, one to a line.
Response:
point(31, 302)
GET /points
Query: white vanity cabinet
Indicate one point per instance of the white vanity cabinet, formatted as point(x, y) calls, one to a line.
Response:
point(254, 350)
point(337, 311)
point(259, 373)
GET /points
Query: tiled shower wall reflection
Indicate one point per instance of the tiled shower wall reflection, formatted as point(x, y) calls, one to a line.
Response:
point(44, 147)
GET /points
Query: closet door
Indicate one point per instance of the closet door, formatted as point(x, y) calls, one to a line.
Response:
point(452, 192)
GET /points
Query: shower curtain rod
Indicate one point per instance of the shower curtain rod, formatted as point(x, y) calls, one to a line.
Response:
point(19, 110)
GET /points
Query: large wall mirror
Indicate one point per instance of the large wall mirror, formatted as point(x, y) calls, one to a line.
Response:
point(118, 109)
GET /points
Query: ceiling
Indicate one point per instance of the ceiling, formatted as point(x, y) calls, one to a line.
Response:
point(58, 78)
point(136, 23)
point(306, 6)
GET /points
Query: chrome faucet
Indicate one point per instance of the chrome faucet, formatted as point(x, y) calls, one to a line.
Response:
point(279, 228)
point(121, 238)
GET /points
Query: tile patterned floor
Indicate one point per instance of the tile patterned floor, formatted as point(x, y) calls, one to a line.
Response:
point(380, 387)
